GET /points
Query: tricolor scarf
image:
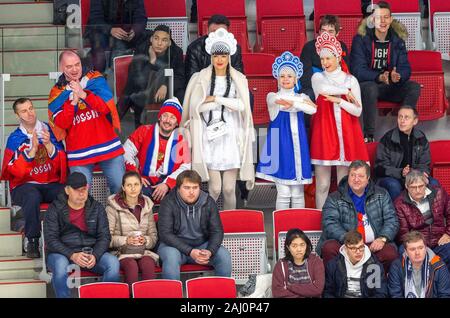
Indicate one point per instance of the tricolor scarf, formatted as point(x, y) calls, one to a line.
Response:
point(93, 81)
point(410, 290)
point(149, 168)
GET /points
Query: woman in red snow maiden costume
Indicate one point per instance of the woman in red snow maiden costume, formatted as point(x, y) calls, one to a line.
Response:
point(336, 136)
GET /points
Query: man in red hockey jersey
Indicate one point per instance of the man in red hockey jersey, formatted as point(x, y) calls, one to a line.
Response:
point(159, 152)
point(35, 166)
point(82, 111)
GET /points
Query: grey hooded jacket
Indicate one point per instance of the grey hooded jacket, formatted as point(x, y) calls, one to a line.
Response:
point(170, 221)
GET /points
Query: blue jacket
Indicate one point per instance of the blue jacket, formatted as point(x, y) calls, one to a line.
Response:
point(362, 53)
point(340, 216)
point(438, 286)
point(336, 279)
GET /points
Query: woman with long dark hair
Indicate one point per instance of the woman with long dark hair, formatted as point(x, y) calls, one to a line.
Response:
point(300, 273)
point(217, 112)
point(133, 229)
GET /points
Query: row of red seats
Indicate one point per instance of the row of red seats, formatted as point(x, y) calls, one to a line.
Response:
point(281, 21)
point(201, 287)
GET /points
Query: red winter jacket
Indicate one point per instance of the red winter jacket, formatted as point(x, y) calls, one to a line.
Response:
point(411, 218)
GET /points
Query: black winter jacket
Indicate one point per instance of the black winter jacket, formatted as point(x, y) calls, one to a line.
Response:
point(390, 154)
point(336, 279)
point(362, 53)
point(197, 58)
point(138, 91)
point(64, 238)
point(169, 222)
point(104, 16)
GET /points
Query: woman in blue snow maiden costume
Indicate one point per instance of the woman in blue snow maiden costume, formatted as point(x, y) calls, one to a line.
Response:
point(285, 156)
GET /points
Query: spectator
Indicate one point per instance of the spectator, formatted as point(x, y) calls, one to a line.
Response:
point(299, 274)
point(114, 25)
point(354, 272)
point(217, 112)
point(73, 222)
point(35, 165)
point(425, 209)
point(311, 59)
point(159, 152)
point(133, 229)
point(359, 205)
point(285, 156)
point(418, 273)
point(380, 63)
point(190, 229)
point(400, 150)
point(197, 58)
point(147, 83)
point(336, 136)
point(80, 108)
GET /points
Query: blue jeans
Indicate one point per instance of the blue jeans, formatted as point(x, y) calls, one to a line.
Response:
point(113, 169)
point(395, 186)
point(108, 266)
point(172, 259)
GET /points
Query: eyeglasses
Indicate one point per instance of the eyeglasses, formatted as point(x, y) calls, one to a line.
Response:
point(417, 187)
point(355, 248)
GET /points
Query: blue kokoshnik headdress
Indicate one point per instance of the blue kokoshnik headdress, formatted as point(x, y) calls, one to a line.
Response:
point(287, 59)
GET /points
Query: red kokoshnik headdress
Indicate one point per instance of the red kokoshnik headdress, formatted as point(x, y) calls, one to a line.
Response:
point(329, 42)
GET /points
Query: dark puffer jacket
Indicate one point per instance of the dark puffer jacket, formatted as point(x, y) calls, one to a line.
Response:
point(339, 214)
point(388, 162)
point(64, 238)
point(336, 279)
point(169, 223)
point(410, 217)
point(197, 58)
point(361, 56)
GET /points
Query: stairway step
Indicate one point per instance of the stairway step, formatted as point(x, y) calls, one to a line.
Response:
point(24, 61)
point(23, 12)
point(40, 106)
point(32, 37)
point(5, 220)
point(19, 267)
point(23, 288)
point(28, 85)
point(9, 1)
point(10, 244)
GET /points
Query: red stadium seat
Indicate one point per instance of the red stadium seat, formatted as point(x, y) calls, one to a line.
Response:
point(233, 10)
point(121, 65)
point(158, 288)
point(280, 21)
point(440, 162)
point(372, 151)
point(104, 290)
point(211, 287)
point(426, 69)
point(242, 221)
point(158, 8)
point(439, 26)
point(258, 69)
point(85, 6)
point(304, 219)
point(349, 13)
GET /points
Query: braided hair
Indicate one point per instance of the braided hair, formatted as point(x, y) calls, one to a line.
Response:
point(213, 86)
